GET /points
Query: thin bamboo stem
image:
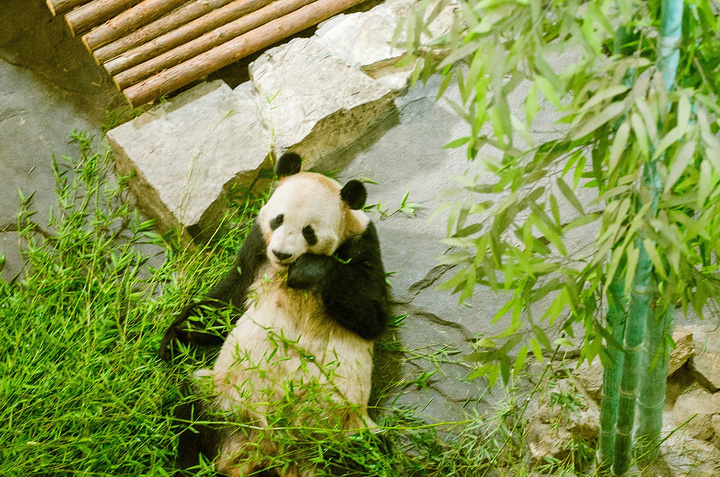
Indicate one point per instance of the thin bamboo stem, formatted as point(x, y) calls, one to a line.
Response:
point(217, 20)
point(128, 21)
point(172, 20)
point(235, 49)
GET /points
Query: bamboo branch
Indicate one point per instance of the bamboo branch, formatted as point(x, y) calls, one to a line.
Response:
point(128, 21)
point(58, 7)
point(235, 49)
point(94, 13)
point(184, 35)
point(172, 20)
point(210, 40)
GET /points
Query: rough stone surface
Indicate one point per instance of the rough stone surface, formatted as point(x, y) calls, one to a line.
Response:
point(49, 86)
point(188, 152)
point(556, 423)
point(318, 103)
point(364, 40)
point(684, 348)
point(707, 366)
point(684, 456)
point(715, 423)
point(700, 402)
point(590, 377)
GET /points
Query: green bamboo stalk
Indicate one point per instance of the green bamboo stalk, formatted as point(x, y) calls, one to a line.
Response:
point(643, 286)
point(653, 384)
point(641, 296)
point(611, 371)
point(654, 380)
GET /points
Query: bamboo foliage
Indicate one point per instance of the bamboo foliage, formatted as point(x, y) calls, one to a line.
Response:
point(649, 155)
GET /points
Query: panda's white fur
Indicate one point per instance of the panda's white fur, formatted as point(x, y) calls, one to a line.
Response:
point(281, 327)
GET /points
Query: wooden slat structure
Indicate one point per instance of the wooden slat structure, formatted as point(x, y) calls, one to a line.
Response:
point(153, 47)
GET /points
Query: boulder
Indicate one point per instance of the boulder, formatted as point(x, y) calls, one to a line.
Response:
point(590, 377)
point(684, 348)
point(318, 103)
point(699, 403)
point(563, 414)
point(707, 368)
point(364, 40)
point(186, 154)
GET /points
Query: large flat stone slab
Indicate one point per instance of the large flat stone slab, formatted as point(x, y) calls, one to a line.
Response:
point(188, 153)
point(318, 103)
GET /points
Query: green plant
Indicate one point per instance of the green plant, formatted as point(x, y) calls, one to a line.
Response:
point(639, 138)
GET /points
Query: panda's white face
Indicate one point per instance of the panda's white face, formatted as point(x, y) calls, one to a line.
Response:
point(305, 214)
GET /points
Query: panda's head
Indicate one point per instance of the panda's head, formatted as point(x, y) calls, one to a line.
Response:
point(309, 213)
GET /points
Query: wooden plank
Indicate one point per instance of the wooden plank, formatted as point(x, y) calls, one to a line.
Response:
point(94, 13)
point(129, 21)
point(218, 36)
point(235, 49)
point(172, 20)
point(182, 35)
point(58, 7)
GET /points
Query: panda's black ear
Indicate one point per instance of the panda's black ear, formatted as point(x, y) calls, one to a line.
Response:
point(354, 194)
point(288, 164)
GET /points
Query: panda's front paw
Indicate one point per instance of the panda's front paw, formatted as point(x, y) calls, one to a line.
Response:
point(308, 271)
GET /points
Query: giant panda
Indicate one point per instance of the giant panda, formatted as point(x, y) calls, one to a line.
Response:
point(311, 283)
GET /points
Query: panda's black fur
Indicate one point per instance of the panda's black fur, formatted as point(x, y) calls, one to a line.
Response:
point(337, 296)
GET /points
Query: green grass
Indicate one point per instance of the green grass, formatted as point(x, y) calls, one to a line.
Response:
point(82, 391)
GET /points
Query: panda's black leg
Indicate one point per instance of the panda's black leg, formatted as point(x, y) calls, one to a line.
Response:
point(183, 331)
point(194, 439)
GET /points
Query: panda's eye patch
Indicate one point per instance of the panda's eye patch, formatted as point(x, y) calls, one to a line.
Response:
point(277, 221)
point(309, 235)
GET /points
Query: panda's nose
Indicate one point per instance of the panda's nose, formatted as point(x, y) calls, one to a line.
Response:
point(281, 255)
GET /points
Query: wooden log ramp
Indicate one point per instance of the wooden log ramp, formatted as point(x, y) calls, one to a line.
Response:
point(154, 47)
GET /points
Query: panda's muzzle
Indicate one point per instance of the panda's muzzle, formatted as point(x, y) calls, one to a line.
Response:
point(282, 256)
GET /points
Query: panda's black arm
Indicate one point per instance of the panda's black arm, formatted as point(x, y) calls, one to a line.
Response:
point(232, 290)
point(352, 283)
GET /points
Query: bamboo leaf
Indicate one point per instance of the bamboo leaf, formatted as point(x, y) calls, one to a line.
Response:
point(603, 95)
point(520, 361)
point(537, 351)
point(655, 257)
point(640, 134)
point(570, 195)
point(704, 184)
point(679, 165)
point(606, 115)
point(618, 147)
point(632, 260)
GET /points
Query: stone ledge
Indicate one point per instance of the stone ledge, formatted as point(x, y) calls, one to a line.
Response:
point(187, 153)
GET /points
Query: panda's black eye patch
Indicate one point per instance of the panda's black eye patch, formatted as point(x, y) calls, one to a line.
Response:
point(309, 235)
point(277, 221)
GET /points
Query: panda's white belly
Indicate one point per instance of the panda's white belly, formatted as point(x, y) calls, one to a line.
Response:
point(283, 342)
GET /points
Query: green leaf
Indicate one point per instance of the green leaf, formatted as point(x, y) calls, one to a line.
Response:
point(537, 351)
point(686, 153)
point(632, 260)
point(618, 146)
point(655, 257)
point(640, 134)
point(603, 95)
point(548, 91)
point(570, 195)
point(704, 184)
point(605, 116)
point(520, 361)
